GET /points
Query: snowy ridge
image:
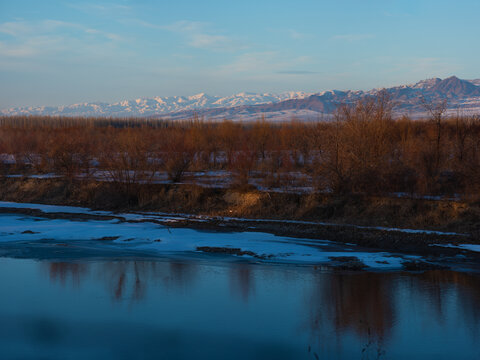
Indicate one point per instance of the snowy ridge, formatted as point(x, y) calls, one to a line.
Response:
point(157, 105)
point(462, 96)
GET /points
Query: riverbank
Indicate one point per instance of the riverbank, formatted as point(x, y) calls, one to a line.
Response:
point(437, 214)
point(344, 246)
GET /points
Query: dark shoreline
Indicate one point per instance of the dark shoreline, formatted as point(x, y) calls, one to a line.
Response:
point(242, 210)
point(371, 237)
point(395, 241)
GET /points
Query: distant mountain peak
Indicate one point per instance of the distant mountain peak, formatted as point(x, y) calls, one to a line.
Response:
point(198, 96)
point(455, 87)
point(427, 83)
point(451, 78)
point(463, 95)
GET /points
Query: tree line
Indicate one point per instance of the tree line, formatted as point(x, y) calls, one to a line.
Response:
point(362, 149)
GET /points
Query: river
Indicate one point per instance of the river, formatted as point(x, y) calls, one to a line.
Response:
point(213, 308)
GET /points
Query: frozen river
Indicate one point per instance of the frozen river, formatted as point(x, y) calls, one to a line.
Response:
point(111, 289)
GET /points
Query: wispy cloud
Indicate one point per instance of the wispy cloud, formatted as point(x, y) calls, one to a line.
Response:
point(28, 39)
point(295, 35)
point(15, 28)
point(426, 66)
point(201, 35)
point(21, 28)
point(254, 61)
point(100, 8)
point(353, 37)
point(267, 62)
point(296, 72)
point(23, 50)
point(107, 35)
point(397, 14)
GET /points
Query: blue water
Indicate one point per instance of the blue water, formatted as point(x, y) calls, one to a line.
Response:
point(206, 309)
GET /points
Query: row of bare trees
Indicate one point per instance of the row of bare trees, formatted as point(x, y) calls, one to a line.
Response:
point(363, 149)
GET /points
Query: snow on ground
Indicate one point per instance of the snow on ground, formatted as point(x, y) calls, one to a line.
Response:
point(413, 231)
point(158, 239)
point(165, 217)
point(52, 208)
point(300, 183)
point(410, 231)
point(470, 247)
point(208, 179)
point(37, 176)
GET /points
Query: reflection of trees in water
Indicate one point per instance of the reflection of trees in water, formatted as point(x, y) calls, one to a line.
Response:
point(61, 271)
point(366, 302)
point(125, 279)
point(180, 274)
point(241, 280)
point(438, 286)
point(360, 302)
point(129, 279)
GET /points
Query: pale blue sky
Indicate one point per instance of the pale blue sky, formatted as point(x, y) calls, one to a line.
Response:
point(56, 52)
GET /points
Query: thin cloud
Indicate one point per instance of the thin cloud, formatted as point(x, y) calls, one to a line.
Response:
point(24, 29)
point(142, 23)
point(396, 14)
point(185, 26)
point(209, 41)
point(16, 50)
point(426, 66)
point(295, 35)
point(251, 62)
point(266, 62)
point(296, 72)
point(30, 39)
point(100, 8)
point(199, 35)
point(108, 35)
point(15, 28)
point(353, 37)
point(196, 34)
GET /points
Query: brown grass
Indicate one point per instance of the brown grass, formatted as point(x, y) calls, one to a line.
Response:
point(455, 216)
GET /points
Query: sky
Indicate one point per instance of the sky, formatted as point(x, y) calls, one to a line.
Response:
point(56, 52)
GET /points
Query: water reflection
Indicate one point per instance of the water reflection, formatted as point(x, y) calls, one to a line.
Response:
point(367, 303)
point(360, 302)
point(66, 271)
point(241, 281)
point(180, 275)
point(130, 279)
point(333, 310)
point(439, 286)
point(126, 279)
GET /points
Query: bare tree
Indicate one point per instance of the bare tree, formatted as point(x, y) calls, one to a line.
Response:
point(436, 111)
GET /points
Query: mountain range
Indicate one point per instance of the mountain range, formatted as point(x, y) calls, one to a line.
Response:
point(462, 96)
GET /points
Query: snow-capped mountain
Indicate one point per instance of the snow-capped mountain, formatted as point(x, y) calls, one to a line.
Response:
point(462, 96)
point(475, 82)
point(156, 106)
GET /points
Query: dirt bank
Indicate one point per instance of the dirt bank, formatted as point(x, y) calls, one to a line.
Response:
point(345, 219)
